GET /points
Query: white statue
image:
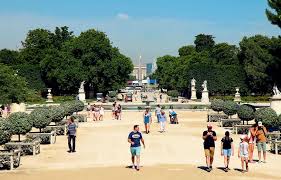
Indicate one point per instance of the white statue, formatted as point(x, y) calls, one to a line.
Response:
point(204, 86)
point(193, 81)
point(276, 91)
point(81, 89)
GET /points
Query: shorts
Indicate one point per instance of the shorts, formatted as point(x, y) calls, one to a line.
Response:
point(210, 152)
point(135, 151)
point(227, 152)
point(242, 155)
point(261, 146)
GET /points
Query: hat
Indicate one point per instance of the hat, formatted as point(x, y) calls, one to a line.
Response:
point(209, 126)
point(259, 123)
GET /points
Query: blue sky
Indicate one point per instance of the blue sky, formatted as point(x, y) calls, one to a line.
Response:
point(151, 28)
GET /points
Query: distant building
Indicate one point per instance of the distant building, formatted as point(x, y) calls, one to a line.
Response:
point(149, 68)
point(139, 72)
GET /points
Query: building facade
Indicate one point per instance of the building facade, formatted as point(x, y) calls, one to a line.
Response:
point(139, 72)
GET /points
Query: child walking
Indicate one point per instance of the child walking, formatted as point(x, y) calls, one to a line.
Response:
point(227, 150)
point(243, 153)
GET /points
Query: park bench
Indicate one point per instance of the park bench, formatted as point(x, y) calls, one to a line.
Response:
point(276, 145)
point(215, 117)
point(44, 137)
point(241, 128)
point(274, 140)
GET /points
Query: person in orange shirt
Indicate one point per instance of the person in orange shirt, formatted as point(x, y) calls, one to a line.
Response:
point(260, 133)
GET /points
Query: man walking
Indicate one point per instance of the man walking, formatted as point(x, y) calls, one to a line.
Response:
point(72, 129)
point(209, 138)
point(134, 139)
point(261, 141)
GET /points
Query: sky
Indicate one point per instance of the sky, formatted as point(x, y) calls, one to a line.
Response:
point(150, 28)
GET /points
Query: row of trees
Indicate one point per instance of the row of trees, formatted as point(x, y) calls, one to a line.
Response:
point(61, 61)
point(254, 66)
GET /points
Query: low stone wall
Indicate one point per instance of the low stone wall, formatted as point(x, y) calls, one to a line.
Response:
point(27, 147)
point(9, 159)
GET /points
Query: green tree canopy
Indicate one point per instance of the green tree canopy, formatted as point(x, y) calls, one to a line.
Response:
point(186, 50)
point(204, 42)
point(13, 88)
point(274, 16)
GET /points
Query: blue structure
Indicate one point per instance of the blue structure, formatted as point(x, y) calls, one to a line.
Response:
point(149, 67)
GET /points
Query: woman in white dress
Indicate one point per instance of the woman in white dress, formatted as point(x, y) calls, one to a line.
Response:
point(101, 113)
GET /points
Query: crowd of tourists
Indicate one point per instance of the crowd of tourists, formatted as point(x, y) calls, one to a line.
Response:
point(95, 112)
point(257, 135)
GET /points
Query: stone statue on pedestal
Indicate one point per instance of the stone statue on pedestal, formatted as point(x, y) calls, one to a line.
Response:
point(275, 103)
point(205, 93)
point(237, 97)
point(81, 92)
point(193, 90)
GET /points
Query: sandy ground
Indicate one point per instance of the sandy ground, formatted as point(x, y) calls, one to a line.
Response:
point(103, 153)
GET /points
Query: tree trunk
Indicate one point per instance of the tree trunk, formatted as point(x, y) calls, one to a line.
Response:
point(40, 130)
point(19, 137)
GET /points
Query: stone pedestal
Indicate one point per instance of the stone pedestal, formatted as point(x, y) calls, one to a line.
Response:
point(193, 94)
point(49, 96)
point(82, 96)
point(205, 96)
point(276, 103)
point(237, 97)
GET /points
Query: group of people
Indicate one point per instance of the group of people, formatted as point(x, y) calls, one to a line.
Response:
point(95, 112)
point(116, 111)
point(161, 118)
point(257, 135)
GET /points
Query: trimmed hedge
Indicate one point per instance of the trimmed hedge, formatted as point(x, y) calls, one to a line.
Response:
point(230, 108)
point(40, 118)
point(173, 93)
point(57, 113)
point(5, 134)
point(267, 116)
point(20, 123)
point(80, 118)
point(246, 113)
point(217, 105)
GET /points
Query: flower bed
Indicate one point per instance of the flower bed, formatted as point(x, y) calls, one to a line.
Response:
point(9, 159)
point(30, 146)
point(46, 137)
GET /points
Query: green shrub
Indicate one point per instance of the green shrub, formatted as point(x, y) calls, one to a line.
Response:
point(217, 105)
point(60, 99)
point(5, 134)
point(267, 116)
point(79, 106)
point(278, 123)
point(40, 118)
point(72, 107)
point(112, 94)
point(112, 99)
point(20, 123)
point(246, 113)
point(230, 108)
point(173, 93)
point(57, 113)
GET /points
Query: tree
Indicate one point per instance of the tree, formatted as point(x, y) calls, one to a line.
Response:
point(5, 131)
point(246, 113)
point(40, 118)
point(13, 87)
point(20, 123)
point(256, 60)
point(9, 57)
point(186, 50)
point(225, 54)
point(204, 42)
point(274, 17)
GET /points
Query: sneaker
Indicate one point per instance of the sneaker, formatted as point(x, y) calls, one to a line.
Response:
point(260, 161)
point(69, 151)
point(73, 151)
point(225, 169)
point(211, 167)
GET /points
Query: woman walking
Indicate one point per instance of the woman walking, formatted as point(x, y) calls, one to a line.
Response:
point(252, 139)
point(162, 121)
point(227, 149)
point(101, 113)
point(147, 119)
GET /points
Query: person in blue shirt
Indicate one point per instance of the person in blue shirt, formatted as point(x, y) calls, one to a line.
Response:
point(147, 119)
point(135, 138)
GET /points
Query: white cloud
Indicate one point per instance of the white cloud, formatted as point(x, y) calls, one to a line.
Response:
point(123, 16)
